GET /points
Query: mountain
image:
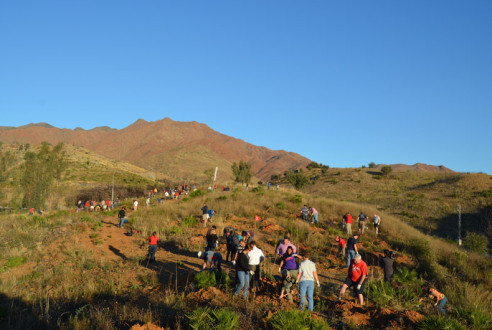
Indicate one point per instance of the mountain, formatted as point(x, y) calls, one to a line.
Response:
point(419, 167)
point(181, 150)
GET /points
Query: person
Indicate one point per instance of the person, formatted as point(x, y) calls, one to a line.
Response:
point(204, 214)
point(234, 241)
point(352, 249)
point(344, 221)
point(305, 277)
point(356, 277)
point(147, 202)
point(153, 246)
point(135, 205)
point(288, 269)
point(440, 298)
point(212, 240)
point(278, 187)
point(242, 271)
point(241, 246)
point(210, 214)
point(166, 195)
point(282, 248)
point(268, 185)
point(121, 216)
point(362, 222)
point(282, 240)
point(304, 213)
point(387, 260)
point(341, 246)
point(247, 236)
point(31, 211)
point(255, 256)
point(314, 215)
point(213, 258)
point(87, 203)
point(349, 223)
point(108, 204)
point(376, 220)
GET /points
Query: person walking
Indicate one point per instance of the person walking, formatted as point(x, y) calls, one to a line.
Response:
point(121, 216)
point(305, 277)
point(288, 269)
point(352, 249)
point(205, 215)
point(376, 221)
point(314, 215)
point(342, 244)
point(255, 256)
point(362, 222)
point(356, 277)
point(440, 298)
point(242, 271)
point(153, 246)
point(349, 223)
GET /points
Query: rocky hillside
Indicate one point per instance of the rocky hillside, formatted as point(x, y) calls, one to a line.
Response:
point(179, 149)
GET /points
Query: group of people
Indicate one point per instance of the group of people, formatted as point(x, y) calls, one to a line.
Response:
point(94, 206)
point(361, 218)
point(306, 211)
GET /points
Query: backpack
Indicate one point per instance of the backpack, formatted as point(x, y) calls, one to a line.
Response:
point(235, 239)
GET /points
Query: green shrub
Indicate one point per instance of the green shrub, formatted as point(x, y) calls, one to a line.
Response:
point(380, 292)
point(13, 262)
point(258, 189)
point(189, 221)
point(295, 319)
point(196, 193)
point(222, 198)
point(280, 205)
point(486, 193)
point(405, 275)
point(204, 280)
point(475, 318)
point(476, 242)
point(206, 318)
point(435, 322)
point(296, 199)
point(176, 230)
point(223, 280)
point(424, 255)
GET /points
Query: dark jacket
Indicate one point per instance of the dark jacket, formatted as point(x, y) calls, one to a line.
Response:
point(121, 214)
point(242, 262)
point(205, 209)
point(211, 241)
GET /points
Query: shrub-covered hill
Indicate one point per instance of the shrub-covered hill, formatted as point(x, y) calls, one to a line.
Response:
point(427, 200)
point(79, 270)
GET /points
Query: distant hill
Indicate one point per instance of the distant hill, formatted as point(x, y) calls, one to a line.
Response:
point(182, 150)
point(419, 167)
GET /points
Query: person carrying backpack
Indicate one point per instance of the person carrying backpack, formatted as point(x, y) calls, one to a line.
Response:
point(377, 221)
point(352, 249)
point(121, 216)
point(388, 260)
point(304, 213)
point(362, 222)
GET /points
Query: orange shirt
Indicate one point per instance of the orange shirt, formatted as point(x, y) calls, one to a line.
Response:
point(437, 294)
point(153, 240)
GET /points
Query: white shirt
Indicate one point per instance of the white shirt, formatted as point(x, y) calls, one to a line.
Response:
point(255, 256)
point(307, 267)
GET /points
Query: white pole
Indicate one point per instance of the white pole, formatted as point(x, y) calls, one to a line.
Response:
point(112, 195)
point(215, 175)
point(459, 225)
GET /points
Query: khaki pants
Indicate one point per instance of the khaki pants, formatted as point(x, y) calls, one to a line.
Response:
point(349, 228)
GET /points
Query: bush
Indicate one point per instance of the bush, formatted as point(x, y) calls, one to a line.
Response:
point(204, 280)
point(475, 318)
point(206, 318)
point(222, 198)
point(424, 255)
point(280, 205)
point(189, 221)
point(486, 193)
point(386, 170)
point(439, 322)
point(380, 292)
point(196, 193)
point(476, 242)
point(296, 199)
point(295, 319)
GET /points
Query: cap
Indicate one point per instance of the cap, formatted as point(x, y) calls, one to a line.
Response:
point(200, 254)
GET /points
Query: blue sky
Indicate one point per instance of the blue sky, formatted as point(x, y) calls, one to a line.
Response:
point(343, 83)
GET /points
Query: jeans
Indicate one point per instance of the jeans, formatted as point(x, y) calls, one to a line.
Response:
point(314, 218)
point(306, 286)
point(440, 305)
point(122, 220)
point(350, 255)
point(152, 249)
point(243, 282)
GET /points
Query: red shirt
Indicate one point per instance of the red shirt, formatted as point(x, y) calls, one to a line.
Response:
point(357, 270)
point(153, 240)
point(341, 242)
point(349, 218)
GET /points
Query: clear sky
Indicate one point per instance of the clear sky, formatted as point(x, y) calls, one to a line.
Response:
point(343, 83)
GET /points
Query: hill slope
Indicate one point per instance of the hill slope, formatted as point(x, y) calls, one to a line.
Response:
point(180, 149)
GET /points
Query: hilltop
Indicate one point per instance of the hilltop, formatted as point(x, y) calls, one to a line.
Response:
point(182, 150)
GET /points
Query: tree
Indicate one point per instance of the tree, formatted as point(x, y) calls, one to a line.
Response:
point(372, 165)
point(242, 172)
point(386, 170)
point(39, 171)
point(298, 179)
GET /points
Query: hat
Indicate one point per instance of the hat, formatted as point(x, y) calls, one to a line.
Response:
point(358, 256)
point(200, 254)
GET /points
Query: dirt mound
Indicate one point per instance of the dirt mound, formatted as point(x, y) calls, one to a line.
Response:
point(146, 326)
point(209, 295)
point(413, 316)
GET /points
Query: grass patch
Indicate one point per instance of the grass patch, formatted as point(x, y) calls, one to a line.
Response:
point(207, 318)
point(295, 319)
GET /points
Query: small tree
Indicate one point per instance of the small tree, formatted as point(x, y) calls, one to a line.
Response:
point(476, 242)
point(386, 170)
point(242, 172)
point(372, 165)
point(298, 179)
